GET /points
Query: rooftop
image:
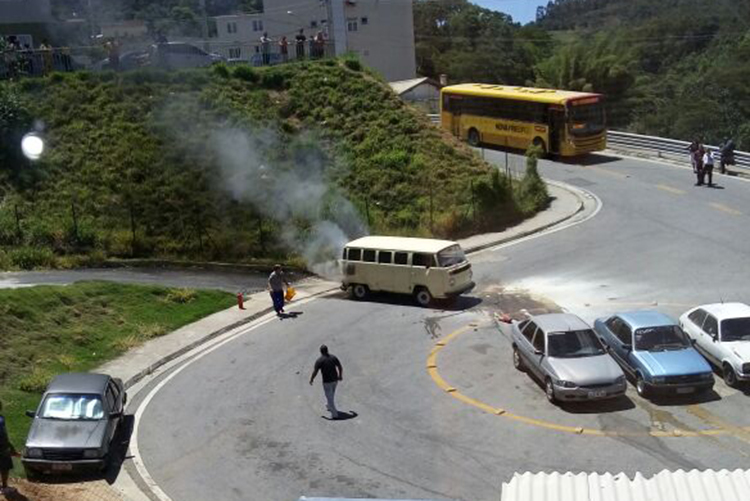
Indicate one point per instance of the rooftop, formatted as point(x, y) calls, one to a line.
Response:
point(401, 86)
point(406, 244)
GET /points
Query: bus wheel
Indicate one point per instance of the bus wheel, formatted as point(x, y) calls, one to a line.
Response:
point(423, 296)
point(474, 137)
point(539, 143)
point(359, 291)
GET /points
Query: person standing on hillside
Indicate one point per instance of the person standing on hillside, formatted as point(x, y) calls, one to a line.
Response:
point(265, 49)
point(708, 166)
point(276, 282)
point(332, 371)
point(301, 39)
point(7, 451)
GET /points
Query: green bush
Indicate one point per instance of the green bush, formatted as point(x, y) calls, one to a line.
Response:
point(353, 64)
point(221, 70)
point(274, 79)
point(245, 72)
point(181, 296)
point(36, 382)
point(29, 258)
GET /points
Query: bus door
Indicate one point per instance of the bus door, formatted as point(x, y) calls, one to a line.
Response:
point(455, 107)
point(556, 128)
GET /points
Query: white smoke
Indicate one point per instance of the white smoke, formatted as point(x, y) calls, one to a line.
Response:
point(316, 220)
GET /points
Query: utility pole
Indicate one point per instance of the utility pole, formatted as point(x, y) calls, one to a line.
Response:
point(204, 25)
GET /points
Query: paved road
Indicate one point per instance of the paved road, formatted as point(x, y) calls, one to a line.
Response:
point(242, 422)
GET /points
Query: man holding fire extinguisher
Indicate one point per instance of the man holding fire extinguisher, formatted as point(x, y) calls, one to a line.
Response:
point(276, 282)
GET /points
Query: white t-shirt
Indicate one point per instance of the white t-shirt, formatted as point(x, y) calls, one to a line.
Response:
point(708, 158)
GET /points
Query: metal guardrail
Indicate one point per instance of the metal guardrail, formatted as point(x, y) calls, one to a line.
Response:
point(671, 149)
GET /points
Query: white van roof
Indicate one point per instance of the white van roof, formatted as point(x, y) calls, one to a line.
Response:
point(407, 244)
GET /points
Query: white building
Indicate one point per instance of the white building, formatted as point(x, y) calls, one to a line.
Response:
point(423, 92)
point(380, 32)
point(25, 12)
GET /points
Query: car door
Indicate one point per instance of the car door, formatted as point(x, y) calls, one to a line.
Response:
point(525, 348)
point(620, 341)
point(710, 338)
point(538, 353)
point(694, 329)
point(110, 397)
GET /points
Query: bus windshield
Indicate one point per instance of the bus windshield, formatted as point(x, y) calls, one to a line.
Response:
point(586, 119)
point(451, 256)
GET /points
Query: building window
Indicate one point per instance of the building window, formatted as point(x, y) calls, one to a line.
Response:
point(313, 24)
point(364, 21)
point(351, 25)
point(231, 27)
point(235, 53)
point(257, 25)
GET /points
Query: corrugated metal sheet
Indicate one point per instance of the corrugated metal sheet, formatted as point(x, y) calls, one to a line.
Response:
point(709, 485)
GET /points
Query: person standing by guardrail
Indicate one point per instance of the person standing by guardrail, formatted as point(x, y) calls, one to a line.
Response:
point(284, 49)
point(727, 154)
point(692, 148)
point(265, 48)
point(708, 166)
point(301, 39)
point(698, 161)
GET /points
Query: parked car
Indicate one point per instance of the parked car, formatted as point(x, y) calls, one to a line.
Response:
point(721, 332)
point(562, 351)
point(74, 424)
point(654, 350)
point(128, 61)
point(178, 55)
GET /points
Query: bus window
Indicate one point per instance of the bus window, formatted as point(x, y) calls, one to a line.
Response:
point(368, 256)
point(400, 258)
point(355, 254)
point(384, 257)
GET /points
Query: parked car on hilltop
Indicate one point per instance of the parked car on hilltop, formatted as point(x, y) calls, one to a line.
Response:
point(178, 55)
point(74, 424)
point(721, 332)
point(562, 351)
point(655, 351)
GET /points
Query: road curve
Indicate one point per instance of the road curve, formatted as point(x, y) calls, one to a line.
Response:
point(243, 423)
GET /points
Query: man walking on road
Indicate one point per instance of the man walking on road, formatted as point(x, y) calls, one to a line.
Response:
point(332, 372)
point(6, 452)
point(276, 282)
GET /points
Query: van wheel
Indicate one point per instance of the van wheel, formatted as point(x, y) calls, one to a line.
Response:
point(473, 137)
point(359, 291)
point(423, 297)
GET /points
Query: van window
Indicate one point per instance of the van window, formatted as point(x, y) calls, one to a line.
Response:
point(385, 257)
point(368, 256)
point(421, 260)
point(450, 256)
point(355, 254)
point(400, 258)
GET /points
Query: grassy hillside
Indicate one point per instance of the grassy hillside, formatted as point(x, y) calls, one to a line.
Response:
point(47, 330)
point(230, 164)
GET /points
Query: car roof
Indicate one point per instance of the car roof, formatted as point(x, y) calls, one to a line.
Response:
point(559, 322)
point(406, 244)
point(646, 318)
point(727, 310)
point(79, 382)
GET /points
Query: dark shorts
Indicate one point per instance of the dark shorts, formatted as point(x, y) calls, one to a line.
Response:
point(6, 462)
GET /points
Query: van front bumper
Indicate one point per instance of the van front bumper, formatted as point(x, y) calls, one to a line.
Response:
point(458, 292)
point(58, 467)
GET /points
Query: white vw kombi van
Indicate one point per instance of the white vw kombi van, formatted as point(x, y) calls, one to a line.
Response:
point(424, 267)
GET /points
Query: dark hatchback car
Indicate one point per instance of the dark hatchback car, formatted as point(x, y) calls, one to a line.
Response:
point(74, 424)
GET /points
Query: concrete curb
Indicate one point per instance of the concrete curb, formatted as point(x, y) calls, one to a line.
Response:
point(540, 229)
point(199, 342)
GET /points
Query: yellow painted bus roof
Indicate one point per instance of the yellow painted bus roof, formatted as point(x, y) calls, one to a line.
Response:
point(550, 96)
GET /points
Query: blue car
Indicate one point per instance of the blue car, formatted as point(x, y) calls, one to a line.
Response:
point(655, 352)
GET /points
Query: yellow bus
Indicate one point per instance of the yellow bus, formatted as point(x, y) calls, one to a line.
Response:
point(560, 122)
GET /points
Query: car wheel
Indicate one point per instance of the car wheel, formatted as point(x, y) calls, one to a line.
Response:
point(473, 137)
point(423, 297)
point(360, 291)
point(517, 362)
point(640, 386)
point(730, 377)
point(549, 390)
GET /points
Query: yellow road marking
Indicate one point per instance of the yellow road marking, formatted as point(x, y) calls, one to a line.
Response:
point(724, 208)
point(670, 189)
point(607, 171)
point(432, 368)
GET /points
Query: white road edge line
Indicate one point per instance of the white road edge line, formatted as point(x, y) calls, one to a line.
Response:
point(137, 461)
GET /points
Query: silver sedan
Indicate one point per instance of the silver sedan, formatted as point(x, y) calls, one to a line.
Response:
point(562, 351)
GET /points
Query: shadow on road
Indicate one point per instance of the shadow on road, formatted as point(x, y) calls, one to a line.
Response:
point(588, 160)
point(290, 315)
point(678, 400)
point(460, 303)
point(343, 416)
point(618, 404)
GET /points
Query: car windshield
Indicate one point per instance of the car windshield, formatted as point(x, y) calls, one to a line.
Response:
point(572, 344)
point(451, 256)
point(735, 329)
point(72, 407)
point(661, 338)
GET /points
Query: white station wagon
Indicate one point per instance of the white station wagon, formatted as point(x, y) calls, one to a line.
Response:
point(721, 333)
